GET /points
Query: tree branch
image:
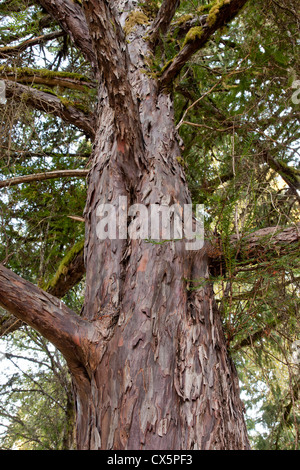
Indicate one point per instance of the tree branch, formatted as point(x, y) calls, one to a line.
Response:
point(222, 12)
point(49, 103)
point(275, 240)
point(43, 176)
point(47, 77)
point(44, 22)
point(13, 6)
point(270, 241)
point(43, 312)
point(289, 174)
point(113, 63)
point(71, 18)
point(70, 271)
point(163, 19)
point(8, 51)
point(180, 28)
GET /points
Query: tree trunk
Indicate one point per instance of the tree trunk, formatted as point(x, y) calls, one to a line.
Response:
point(162, 378)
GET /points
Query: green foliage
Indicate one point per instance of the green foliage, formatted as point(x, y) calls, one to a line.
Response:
point(36, 407)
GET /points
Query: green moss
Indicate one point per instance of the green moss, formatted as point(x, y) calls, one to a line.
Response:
point(183, 19)
point(45, 73)
point(149, 8)
point(214, 11)
point(205, 8)
point(64, 265)
point(133, 19)
point(167, 64)
point(74, 104)
point(193, 34)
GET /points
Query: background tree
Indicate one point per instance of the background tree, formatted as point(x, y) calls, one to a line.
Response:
point(37, 407)
point(231, 81)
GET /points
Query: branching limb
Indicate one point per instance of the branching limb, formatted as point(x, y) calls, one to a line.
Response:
point(252, 247)
point(47, 77)
point(71, 18)
point(222, 12)
point(8, 51)
point(49, 103)
point(70, 271)
point(43, 176)
point(43, 312)
point(163, 19)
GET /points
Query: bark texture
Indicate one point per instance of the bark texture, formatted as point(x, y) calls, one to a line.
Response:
point(165, 380)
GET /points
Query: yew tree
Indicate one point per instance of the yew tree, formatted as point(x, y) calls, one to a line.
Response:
point(147, 353)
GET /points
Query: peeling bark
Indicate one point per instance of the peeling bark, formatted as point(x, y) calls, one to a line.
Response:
point(165, 380)
point(72, 20)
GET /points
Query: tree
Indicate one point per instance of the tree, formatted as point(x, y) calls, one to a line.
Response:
point(148, 355)
point(37, 407)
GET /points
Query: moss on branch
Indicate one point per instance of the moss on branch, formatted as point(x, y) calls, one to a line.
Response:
point(135, 18)
point(64, 266)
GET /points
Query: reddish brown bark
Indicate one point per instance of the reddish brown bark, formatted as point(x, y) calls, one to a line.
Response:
point(165, 380)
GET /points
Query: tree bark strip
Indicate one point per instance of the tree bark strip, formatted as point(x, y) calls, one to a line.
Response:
point(72, 20)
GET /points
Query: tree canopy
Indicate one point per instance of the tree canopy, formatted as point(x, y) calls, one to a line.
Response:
point(237, 113)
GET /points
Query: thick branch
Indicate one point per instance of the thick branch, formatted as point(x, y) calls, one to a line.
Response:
point(252, 247)
point(8, 51)
point(47, 77)
point(113, 63)
point(44, 22)
point(163, 19)
point(258, 335)
point(72, 20)
point(220, 14)
point(274, 240)
point(289, 174)
point(43, 176)
point(49, 103)
point(70, 271)
point(43, 312)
